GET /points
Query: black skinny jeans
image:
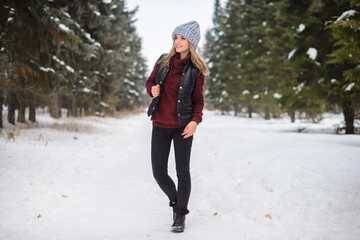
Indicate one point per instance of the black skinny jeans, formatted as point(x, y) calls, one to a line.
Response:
point(160, 149)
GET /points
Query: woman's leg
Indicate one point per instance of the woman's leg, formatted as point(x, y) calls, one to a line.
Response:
point(160, 148)
point(182, 149)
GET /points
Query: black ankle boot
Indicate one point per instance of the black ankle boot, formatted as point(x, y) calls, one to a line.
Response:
point(179, 220)
point(173, 205)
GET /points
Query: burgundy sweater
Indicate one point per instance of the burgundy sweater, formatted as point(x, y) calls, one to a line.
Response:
point(165, 115)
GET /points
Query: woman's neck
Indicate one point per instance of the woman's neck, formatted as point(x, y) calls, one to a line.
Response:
point(184, 54)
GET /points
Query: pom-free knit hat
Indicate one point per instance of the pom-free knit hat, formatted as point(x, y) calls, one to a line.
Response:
point(190, 30)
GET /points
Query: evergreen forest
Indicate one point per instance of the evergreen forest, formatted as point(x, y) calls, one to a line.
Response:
point(275, 57)
point(80, 56)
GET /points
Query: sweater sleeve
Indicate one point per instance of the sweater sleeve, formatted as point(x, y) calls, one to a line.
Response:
point(198, 99)
point(150, 82)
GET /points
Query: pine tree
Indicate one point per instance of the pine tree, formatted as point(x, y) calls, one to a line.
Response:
point(215, 90)
point(233, 55)
point(244, 64)
point(345, 59)
point(276, 42)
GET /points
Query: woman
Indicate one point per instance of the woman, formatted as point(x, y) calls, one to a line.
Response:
point(176, 86)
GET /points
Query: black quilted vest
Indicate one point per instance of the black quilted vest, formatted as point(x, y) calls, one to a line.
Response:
point(185, 91)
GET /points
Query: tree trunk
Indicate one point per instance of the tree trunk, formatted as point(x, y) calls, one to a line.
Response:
point(11, 107)
point(235, 110)
point(81, 108)
point(21, 112)
point(72, 107)
point(267, 113)
point(1, 109)
point(349, 114)
point(292, 116)
point(31, 103)
point(250, 110)
point(86, 108)
point(55, 106)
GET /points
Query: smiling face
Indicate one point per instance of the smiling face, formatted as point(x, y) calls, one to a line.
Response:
point(181, 45)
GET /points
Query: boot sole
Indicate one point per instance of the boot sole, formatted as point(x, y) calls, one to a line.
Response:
point(177, 230)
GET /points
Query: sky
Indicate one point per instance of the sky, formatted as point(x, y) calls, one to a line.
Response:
point(157, 19)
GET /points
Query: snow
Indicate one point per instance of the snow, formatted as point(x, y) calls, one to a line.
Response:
point(256, 96)
point(91, 178)
point(66, 14)
point(70, 69)
point(88, 36)
point(107, 1)
point(277, 95)
point(224, 93)
point(346, 15)
point(349, 87)
point(47, 69)
point(132, 91)
point(104, 104)
point(299, 87)
point(300, 28)
point(64, 28)
point(291, 53)
point(86, 90)
point(312, 53)
point(58, 60)
point(127, 81)
point(245, 92)
point(78, 25)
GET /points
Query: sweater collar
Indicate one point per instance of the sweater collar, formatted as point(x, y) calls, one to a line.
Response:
point(180, 63)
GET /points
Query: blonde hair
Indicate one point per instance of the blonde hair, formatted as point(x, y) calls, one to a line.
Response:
point(194, 56)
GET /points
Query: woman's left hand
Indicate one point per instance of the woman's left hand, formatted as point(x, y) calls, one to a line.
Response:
point(189, 129)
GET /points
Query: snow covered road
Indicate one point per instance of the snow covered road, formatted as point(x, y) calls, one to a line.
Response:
point(91, 178)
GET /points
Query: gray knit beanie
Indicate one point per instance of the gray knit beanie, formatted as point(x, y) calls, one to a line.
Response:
point(190, 30)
